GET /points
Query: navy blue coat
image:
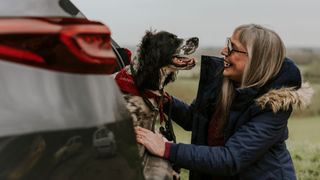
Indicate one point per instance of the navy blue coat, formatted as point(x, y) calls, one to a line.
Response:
point(255, 135)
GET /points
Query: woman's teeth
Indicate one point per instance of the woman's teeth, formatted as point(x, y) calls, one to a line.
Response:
point(226, 64)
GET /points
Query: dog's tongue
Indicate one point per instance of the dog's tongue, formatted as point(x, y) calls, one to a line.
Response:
point(183, 62)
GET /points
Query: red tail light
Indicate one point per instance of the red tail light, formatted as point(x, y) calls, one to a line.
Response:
point(9, 52)
point(95, 45)
point(62, 44)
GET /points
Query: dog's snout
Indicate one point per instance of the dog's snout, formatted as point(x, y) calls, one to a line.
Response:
point(195, 40)
point(188, 46)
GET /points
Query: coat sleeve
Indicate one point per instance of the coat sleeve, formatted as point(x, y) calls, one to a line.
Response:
point(247, 145)
point(181, 113)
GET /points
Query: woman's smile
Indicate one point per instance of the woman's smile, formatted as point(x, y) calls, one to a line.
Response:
point(227, 64)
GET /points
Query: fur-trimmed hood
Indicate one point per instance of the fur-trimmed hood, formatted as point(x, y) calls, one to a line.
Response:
point(284, 98)
point(286, 90)
point(282, 92)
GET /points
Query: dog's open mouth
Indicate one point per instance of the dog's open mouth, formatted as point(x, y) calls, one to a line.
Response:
point(183, 62)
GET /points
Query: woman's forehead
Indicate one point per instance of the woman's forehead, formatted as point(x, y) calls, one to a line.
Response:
point(235, 41)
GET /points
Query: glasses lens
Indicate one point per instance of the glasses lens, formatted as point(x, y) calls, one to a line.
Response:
point(229, 46)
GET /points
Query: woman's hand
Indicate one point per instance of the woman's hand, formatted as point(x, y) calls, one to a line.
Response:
point(154, 142)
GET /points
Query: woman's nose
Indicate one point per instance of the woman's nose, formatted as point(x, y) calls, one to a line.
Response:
point(224, 51)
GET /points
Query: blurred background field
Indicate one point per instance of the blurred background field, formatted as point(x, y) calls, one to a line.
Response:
point(304, 126)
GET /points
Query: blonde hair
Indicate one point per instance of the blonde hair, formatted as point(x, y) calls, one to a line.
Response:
point(266, 53)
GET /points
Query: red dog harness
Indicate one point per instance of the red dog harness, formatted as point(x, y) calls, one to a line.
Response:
point(126, 84)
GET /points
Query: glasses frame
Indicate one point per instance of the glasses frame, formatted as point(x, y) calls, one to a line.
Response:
point(231, 49)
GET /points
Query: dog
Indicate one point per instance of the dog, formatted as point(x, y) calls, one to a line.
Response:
point(159, 57)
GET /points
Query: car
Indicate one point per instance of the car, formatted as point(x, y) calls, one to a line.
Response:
point(61, 114)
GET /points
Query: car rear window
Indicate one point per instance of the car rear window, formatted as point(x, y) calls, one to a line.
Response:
point(61, 8)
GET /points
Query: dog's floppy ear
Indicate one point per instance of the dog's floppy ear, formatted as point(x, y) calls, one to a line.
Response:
point(148, 57)
point(145, 48)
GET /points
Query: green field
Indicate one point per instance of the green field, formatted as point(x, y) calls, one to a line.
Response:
point(304, 131)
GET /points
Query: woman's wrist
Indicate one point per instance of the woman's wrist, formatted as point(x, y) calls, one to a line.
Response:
point(167, 150)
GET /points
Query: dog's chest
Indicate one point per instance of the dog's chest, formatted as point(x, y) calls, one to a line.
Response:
point(142, 114)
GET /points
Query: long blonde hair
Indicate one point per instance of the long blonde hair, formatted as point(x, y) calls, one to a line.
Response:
point(266, 53)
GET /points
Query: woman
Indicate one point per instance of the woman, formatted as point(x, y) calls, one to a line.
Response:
point(240, 115)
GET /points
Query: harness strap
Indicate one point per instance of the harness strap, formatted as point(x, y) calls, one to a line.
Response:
point(126, 84)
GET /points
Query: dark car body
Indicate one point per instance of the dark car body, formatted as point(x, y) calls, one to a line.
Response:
point(61, 114)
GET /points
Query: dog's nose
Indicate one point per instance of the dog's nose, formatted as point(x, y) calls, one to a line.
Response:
point(195, 40)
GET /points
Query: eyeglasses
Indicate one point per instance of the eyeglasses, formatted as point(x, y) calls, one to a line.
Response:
point(231, 49)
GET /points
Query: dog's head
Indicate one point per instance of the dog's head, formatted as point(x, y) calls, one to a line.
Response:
point(159, 56)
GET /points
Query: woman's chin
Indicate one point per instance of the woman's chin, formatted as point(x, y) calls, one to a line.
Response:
point(232, 76)
point(226, 72)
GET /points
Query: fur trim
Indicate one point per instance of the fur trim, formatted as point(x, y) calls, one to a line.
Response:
point(284, 98)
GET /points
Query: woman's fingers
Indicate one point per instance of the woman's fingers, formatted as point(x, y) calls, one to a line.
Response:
point(154, 142)
point(142, 130)
point(141, 135)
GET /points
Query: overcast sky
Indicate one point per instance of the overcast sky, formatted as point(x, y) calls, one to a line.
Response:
point(296, 21)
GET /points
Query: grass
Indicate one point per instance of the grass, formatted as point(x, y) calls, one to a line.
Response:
point(304, 129)
point(184, 88)
point(304, 146)
point(304, 135)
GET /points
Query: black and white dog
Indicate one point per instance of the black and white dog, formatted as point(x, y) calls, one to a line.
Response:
point(159, 57)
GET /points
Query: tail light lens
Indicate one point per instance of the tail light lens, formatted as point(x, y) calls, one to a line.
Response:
point(95, 45)
point(61, 44)
point(9, 52)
